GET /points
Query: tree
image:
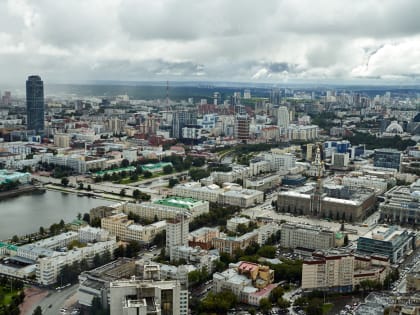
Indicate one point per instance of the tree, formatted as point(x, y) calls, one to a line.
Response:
point(168, 169)
point(15, 239)
point(147, 174)
point(283, 303)
point(267, 251)
point(346, 240)
point(37, 311)
point(173, 182)
point(122, 192)
point(65, 181)
point(86, 217)
point(41, 230)
point(136, 194)
point(265, 305)
point(125, 163)
point(62, 224)
point(89, 188)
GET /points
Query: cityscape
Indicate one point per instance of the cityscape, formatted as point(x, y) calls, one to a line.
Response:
point(209, 184)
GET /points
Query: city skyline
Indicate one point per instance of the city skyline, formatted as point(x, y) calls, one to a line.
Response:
point(277, 42)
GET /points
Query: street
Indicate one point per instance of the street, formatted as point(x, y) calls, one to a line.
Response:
point(55, 300)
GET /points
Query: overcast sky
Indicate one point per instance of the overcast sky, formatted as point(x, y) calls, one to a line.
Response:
point(231, 40)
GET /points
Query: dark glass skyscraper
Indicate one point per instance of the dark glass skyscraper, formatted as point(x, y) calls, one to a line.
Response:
point(35, 103)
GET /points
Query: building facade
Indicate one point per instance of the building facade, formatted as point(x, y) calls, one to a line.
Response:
point(35, 104)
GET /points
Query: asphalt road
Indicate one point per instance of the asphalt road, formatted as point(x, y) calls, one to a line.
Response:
point(56, 300)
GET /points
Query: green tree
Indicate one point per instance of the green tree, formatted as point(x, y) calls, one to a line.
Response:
point(172, 182)
point(147, 174)
point(136, 194)
point(37, 311)
point(80, 185)
point(267, 251)
point(89, 188)
point(65, 181)
point(265, 305)
point(15, 239)
point(168, 169)
point(125, 163)
point(86, 217)
point(41, 230)
point(122, 192)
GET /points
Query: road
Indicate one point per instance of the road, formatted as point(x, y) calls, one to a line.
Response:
point(56, 299)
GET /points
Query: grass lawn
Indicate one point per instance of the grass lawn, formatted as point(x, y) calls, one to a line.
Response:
point(326, 308)
point(7, 295)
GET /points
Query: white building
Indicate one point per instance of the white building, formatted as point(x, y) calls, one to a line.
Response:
point(232, 224)
point(176, 233)
point(144, 297)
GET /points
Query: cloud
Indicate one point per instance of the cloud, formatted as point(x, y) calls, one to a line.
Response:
point(75, 40)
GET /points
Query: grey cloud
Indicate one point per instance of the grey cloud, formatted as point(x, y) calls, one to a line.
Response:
point(213, 39)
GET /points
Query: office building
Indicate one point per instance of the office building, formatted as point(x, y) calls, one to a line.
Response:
point(390, 242)
point(358, 180)
point(229, 244)
point(203, 237)
point(307, 236)
point(167, 208)
point(180, 119)
point(230, 194)
point(387, 158)
point(337, 203)
point(401, 206)
point(340, 160)
point(126, 230)
point(95, 283)
point(147, 297)
point(35, 104)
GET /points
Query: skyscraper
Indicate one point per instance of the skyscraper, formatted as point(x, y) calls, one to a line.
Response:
point(180, 119)
point(35, 103)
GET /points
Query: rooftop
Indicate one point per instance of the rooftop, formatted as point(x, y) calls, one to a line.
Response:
point(185, 203)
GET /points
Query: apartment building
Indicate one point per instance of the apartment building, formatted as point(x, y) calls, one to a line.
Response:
point(341, 271)
point(203, 237)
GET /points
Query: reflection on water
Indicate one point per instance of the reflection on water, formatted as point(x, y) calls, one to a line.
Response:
point(26, 213)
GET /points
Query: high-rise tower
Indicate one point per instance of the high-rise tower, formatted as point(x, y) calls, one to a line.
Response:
point(35, 104)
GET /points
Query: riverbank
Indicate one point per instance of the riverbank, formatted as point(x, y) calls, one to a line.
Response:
point(27, 189)
point(92, 194)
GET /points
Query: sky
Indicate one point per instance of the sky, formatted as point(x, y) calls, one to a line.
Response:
point(274, 41)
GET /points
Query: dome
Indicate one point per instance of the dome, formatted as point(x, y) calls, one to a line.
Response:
point(394, 127)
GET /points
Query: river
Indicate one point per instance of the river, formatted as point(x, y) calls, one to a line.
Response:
point(26, 213)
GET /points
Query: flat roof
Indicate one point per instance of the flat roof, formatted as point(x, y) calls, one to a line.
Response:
point(179, 202)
